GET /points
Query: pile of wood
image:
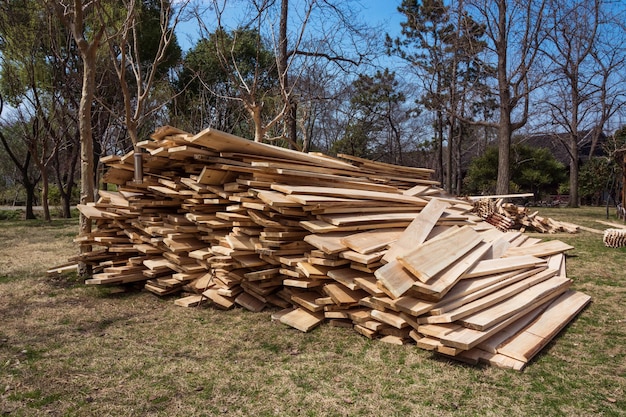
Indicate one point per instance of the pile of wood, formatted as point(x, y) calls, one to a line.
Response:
point(371, 246)
point(508, 216)
point(614, 238)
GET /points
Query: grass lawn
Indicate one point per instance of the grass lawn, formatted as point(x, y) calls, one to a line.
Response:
point(67, 349)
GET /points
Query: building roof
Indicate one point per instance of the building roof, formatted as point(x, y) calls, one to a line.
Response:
point(557, 143)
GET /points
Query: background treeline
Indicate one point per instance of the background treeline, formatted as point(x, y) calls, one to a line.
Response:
point(496, 96)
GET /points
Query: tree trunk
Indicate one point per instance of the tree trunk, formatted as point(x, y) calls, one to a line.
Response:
point(573, 172)
point(259, 130)
point(291, 120)
point(87, 186)
point(448, 186)
point(44, 194)
point(292, 125)
point(30, 197)
point(504, 154)
point(504, 125)
point(458, 162)
point(439, 141)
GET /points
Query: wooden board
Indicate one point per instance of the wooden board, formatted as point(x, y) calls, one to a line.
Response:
point(341, 294)
point(191, 301)
point(302, 319)
point(546, 248)
point(225, 142)
point(493, 298)
point(489, 317)
point(330, 243)
point(419, 229)
point(433, 256)
point(390, 318)
point(351, 193)
point(496, 266)
point(372, 241)
point(449, 277)
point(469, 290)
point(525, 345)
point(395, 278)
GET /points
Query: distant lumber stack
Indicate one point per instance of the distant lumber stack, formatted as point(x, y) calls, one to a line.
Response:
point(371, 246)
point(508, 216)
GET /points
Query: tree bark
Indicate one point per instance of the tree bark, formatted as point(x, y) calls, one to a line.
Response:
point(504, 125)
point(439, 132)
point(30, 198)
point(451, 147)
point(504, 153)
point(74, 20)
point(44, 195)
point(573, 172)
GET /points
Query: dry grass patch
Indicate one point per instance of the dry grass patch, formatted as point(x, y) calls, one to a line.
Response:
point(72, 350)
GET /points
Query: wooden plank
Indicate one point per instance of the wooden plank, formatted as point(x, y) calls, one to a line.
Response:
point(497, 196)
point(313, 271)
point(469, 290)
point(369, 284)
point(419, 229)
point(357, 218)
point(542, 249)
point(465, 338)
point(525, 345)
point(225, 142)
point(365, 259)
point(491, 345)
point(490, 299)
point(219, 300)
point(496, 266)
point(302, 282)
point(302, 319)
point(612, 224)
point(433, 256)
point(544, 290)
point(347, 276)
point(328, 243)
point(393, 340)
point(320, 226)
point(364, 331)
point(557, 262)
point(90, 211)
point(372, 241)
point(276, 199)
point(383, 166)
point(448, 278)
point(413, 306)
point(439, 330)
point(307, 299)
point(191, 301)
point(390, 318)
point(351, 193)
point(395, 278)
point(341, 294)
point(250, 302)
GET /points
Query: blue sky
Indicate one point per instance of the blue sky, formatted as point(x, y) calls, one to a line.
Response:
point(382, 13)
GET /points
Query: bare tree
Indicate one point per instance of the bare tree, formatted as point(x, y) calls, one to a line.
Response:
point(585, 92)
point(136, 72)
point(72, 13)
point(513, 30)
point(299, 39)
point(572, 36)
point(23, 162)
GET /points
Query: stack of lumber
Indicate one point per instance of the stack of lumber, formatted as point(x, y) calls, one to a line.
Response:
point(371, 246)
point(614, 238)
point(508, 216)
